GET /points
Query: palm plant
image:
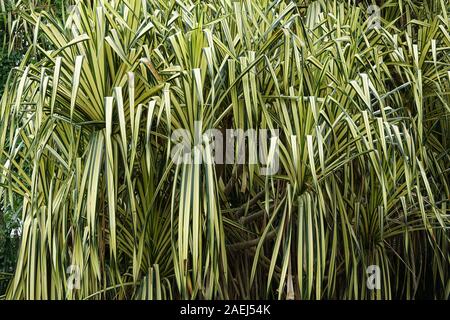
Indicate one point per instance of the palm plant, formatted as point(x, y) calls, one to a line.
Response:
point(363, 116)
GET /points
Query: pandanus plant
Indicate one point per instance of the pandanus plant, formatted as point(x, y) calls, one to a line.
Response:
point(86, 138)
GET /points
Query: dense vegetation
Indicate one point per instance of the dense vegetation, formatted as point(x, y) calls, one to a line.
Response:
point(15, 40)
point(86, 120)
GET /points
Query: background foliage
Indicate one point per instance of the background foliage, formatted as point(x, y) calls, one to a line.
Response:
point(15, 37)
point(85, 126)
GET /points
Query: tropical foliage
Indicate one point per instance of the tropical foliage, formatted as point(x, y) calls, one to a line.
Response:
point(363, 116)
